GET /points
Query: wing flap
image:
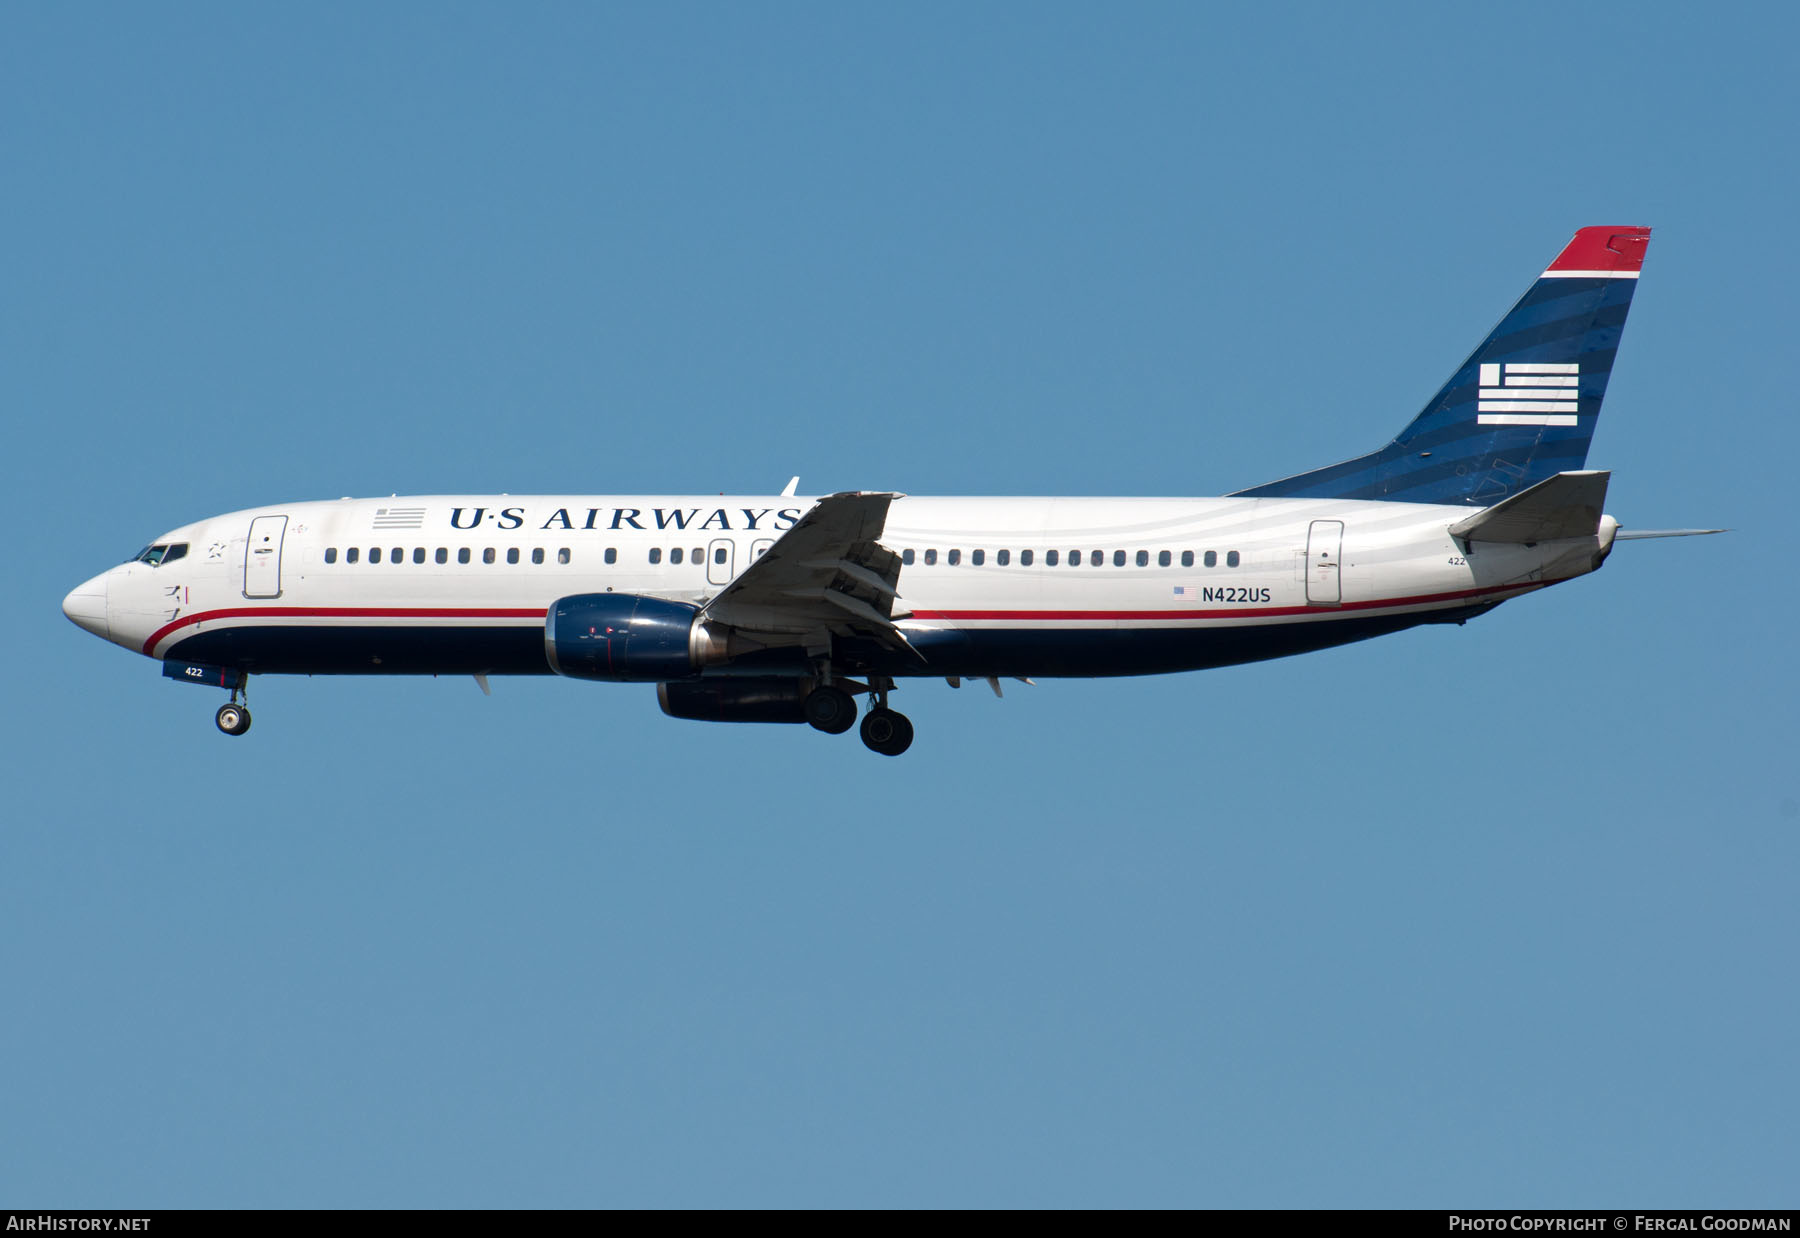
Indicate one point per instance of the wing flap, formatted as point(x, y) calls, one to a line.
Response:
point(829, 572)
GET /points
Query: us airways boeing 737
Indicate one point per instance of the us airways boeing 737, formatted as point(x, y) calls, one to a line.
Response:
point(782, 609)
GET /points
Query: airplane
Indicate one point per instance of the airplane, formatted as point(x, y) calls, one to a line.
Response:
point(785, 609)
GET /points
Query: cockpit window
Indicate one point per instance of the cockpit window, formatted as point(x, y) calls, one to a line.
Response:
point(159, 554)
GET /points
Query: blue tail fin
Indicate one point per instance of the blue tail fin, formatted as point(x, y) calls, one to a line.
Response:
point(1522, 408)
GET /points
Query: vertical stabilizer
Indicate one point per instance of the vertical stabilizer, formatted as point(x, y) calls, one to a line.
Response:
point(1522, 408)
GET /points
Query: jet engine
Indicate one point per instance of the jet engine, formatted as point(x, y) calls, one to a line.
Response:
point(763, 699)
point(627, 638)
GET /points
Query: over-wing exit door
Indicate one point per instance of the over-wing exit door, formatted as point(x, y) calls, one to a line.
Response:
point(718, 561)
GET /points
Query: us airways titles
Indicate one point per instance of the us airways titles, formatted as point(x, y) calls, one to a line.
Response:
point(644, 520)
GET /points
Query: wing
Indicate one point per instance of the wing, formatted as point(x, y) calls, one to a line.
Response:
point(828, 575)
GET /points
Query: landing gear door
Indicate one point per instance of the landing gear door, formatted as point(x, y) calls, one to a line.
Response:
point(718, 561)
point(262, 557)
point(1324, 546)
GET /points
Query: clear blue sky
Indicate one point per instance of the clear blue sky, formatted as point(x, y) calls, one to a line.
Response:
point(1494, 915)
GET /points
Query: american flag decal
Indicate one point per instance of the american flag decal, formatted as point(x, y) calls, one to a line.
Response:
point(399, 517)
point(1528, 394)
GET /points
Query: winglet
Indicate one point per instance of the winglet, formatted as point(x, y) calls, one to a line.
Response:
point(1607, 251)
point(793, 485)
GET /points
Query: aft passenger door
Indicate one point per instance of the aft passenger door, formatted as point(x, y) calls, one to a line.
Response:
point(1324, 546)
point(262, 557)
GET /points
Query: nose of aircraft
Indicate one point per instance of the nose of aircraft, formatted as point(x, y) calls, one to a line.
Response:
point(86, 607)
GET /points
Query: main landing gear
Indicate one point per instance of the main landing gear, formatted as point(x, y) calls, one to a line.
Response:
point(833, 710)
point(886, 731)
point(830, 710)
point(233, 717)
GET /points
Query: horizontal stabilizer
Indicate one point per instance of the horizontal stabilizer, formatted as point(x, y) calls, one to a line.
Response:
point(1565, 505)
point(1637, 535)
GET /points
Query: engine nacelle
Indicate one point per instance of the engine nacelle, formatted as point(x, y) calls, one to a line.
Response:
point(735, 700)
point(624, 637)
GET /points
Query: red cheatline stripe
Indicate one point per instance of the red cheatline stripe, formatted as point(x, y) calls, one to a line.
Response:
point(338, 612)
point(457, 612)
point(1239, 612)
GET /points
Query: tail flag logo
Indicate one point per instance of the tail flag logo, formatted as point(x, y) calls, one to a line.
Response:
point(1528, 394)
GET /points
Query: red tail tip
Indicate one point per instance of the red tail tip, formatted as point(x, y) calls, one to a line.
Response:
point(1607, 247)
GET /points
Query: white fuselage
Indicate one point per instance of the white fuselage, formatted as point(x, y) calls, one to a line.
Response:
point(989, 586)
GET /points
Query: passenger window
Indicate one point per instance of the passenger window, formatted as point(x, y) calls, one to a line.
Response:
point(1187, 558)
point(931, 558)
point(1118, 558)
point(1212, 558)
point(1024, 558)
point(537, 554)
point(976, 557)
point(562, 555)
point(418, 554)
point(1049, 558)
point(955, 557)
point(906, 556)
point(512, 554)
point(462, 555)
point(1162, 558)
point(1098, 557)
point(719, 555)
point(397, 555)
point(1002, 557)
point(374, 554)
point(656, 554)
point(1143, 558)
point(612, 554)
point(487, 554)
point(675, 555)
point(350, 555)
point(1231, 558)
point(698, 557)
point(331, 554)
point(443, 556)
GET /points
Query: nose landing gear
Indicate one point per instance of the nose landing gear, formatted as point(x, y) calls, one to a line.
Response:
point(233, 717)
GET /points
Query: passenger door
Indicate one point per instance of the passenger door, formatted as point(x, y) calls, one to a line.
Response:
point(262, 557)
point(1324, 545)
